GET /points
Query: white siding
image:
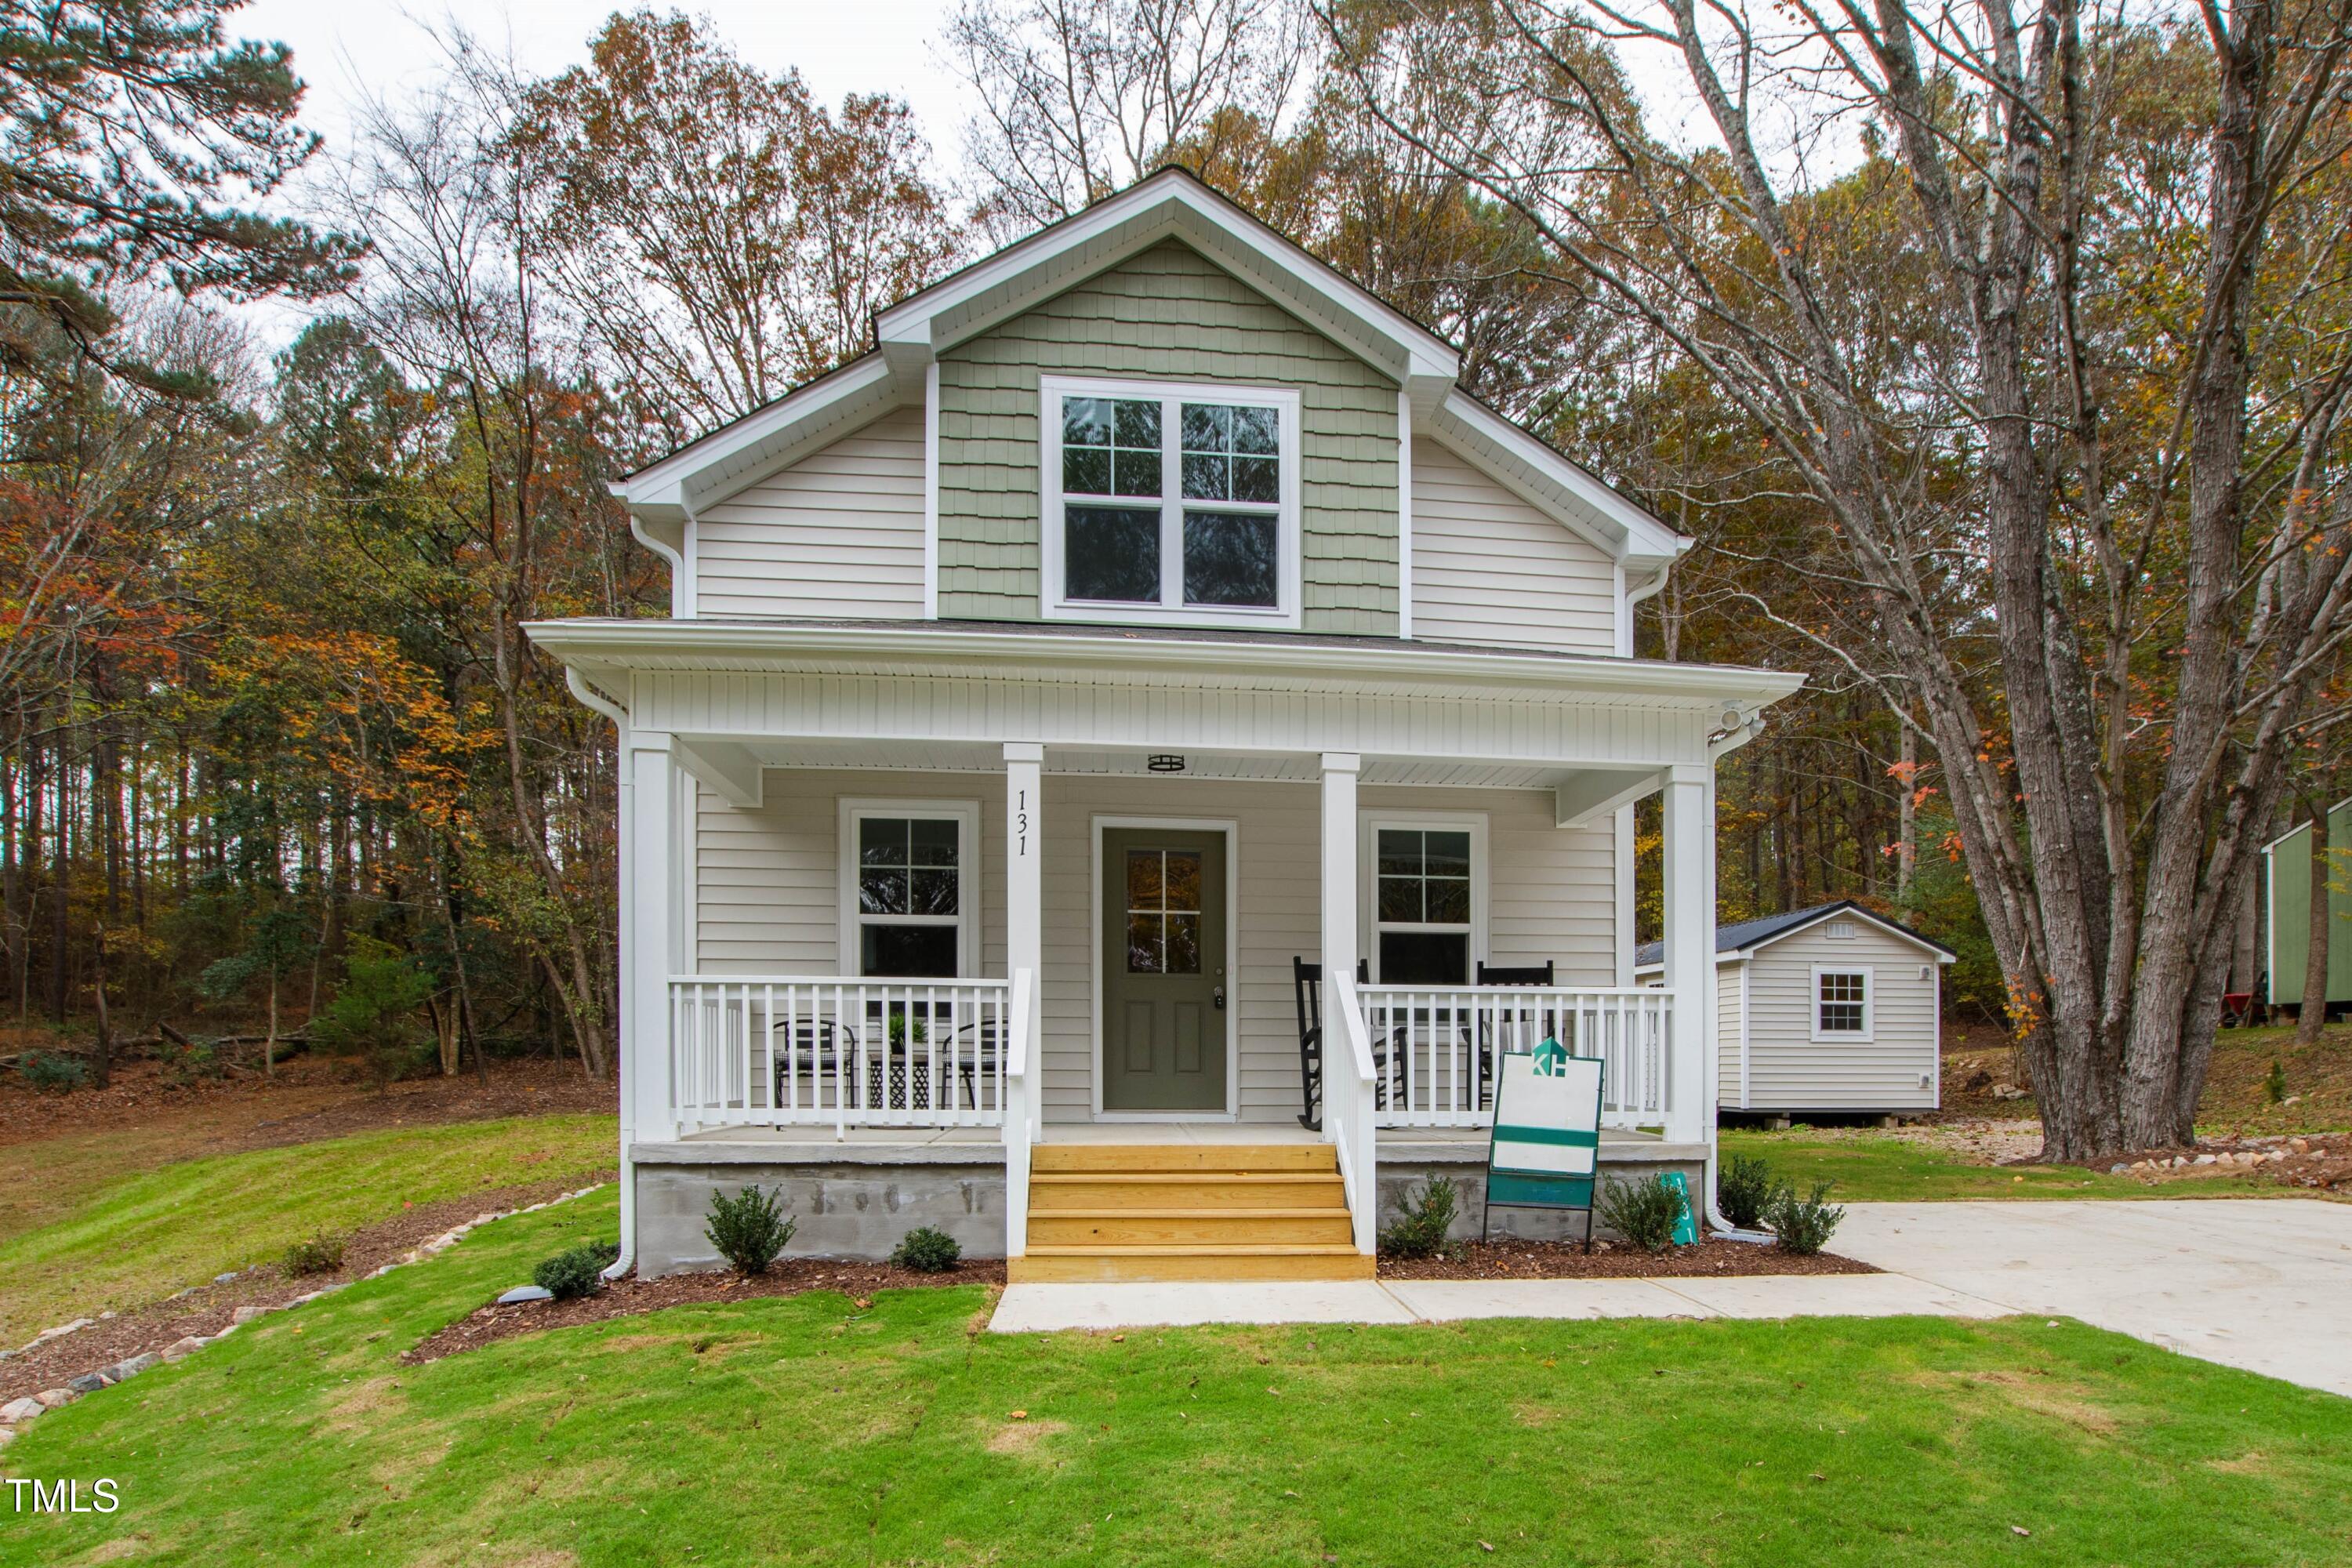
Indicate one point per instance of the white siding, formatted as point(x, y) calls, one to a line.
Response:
point(766, 882)
point(1795, 1072)
point(839, 533)
point(767, 898)
point(1726, 1034)
point(1489, 568)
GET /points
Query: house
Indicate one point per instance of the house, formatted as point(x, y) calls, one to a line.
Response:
point(1828, 1009)
point(1148, 612)
point(2286, 884)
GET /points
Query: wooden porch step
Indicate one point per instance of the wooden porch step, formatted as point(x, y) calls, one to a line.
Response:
point(1161, 1190)
point(1208, 1226)
point(1231, 1159)
point(1063, 1265)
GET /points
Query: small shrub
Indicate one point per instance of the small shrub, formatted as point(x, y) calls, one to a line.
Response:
point(322, 1253)
point(1423, 1222)
point(748, 1229)
point(1644, 1212)
point(928, 1249)
point(1743, 1186)
point(2275, 1084)
point(53, 1071)
point(1803, 1225)
point(577, 1271)
point(188, 1064)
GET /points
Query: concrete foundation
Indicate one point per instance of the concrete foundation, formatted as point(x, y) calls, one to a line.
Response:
point(1410, 1167)
point(858, 1200)
point(842, 1208)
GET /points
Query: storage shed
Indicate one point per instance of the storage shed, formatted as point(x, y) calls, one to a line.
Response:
point(1831, 1008)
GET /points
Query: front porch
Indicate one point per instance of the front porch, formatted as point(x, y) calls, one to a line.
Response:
point(1247, 894)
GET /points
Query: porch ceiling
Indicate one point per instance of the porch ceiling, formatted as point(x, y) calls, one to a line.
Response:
point(1257, 767)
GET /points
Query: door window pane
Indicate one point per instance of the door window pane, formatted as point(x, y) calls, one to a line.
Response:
point(1163, 911)
point(1112, 553)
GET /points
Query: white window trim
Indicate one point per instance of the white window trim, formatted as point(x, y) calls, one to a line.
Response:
point(1869, 1032)
point(969, 891)
point(1368, 882)
point(1055, 605)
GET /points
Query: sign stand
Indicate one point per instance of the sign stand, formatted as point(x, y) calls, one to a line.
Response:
point(1546, 1141)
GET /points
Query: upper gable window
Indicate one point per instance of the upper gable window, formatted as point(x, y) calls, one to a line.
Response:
point(1166, 501)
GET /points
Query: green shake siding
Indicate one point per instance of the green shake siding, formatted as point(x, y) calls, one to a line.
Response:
point(1170, 313)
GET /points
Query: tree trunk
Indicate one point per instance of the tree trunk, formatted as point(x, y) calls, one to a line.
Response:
point(2310, 1018)
point(269, 1041)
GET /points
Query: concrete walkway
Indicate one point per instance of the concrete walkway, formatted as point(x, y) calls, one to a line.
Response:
point(2255, 1284)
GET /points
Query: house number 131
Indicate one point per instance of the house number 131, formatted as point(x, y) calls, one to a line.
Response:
point(1021, 822)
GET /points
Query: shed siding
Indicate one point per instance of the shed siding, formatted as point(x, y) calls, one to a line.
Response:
point(1489, 568)
point(1168, 312)
point(1726, 1034)
point(1792, 1072)
point(767, 899)
point(839, 533)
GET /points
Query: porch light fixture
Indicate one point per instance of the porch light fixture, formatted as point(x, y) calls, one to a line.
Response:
point(1165, 762)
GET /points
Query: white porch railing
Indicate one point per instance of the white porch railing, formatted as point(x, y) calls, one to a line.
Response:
point(1434, 1048)
point(1348, 1114)
point(780, 1050)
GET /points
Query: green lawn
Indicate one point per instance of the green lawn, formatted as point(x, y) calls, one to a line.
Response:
point(808, 1431)
point(1898, 1170)
point(141, 1236)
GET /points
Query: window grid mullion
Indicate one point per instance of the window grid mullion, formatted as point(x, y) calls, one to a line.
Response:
point(1171, 507)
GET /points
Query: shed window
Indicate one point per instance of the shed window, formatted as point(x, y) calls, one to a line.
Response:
point(1842, 1004)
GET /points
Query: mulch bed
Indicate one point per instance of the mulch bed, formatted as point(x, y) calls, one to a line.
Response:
point(1711, 1255)
point(632, 1296)
point(212, 1307)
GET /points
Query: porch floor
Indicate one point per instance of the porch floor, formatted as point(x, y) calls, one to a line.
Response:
point(932, 1145)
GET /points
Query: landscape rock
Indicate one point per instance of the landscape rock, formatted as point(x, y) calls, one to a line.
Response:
point(2118, 1170)
point(2205, 1158)
point(484, 1218)
point(247, 1313)
point(223, 1279)
point(526, 1293)
point(2300, 1145)
point(131, 1366)
point(48, 1334)
point(180, 1348)
point(50, 1398)
point(87, 1381)
point(22, 1409)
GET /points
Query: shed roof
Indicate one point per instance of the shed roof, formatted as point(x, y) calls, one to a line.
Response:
point(1745, 936)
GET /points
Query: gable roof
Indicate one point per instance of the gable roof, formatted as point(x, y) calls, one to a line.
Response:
point(1744, 937)
point(1172, 204)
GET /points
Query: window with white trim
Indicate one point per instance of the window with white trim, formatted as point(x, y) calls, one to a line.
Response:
point(911, 894)
point(1842, 1004)
point(1170, 501)
point(1424, 901)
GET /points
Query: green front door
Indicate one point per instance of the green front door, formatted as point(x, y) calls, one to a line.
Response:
point(1163, 969)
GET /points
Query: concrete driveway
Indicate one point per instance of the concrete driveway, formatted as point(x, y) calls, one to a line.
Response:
point(2262, 1284)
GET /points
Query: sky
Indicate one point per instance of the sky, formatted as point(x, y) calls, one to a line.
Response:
point(348, 50)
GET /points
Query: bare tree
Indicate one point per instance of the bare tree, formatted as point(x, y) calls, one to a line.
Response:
point(1081, 98)
point(2108, 626)
point(717, 236)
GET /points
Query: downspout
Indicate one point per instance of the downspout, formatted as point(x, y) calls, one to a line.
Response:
point(579, 687)
point(1722, 744)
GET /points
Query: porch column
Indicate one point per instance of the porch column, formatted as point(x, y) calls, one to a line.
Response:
point(1690, 949)
point(1339, 909)
point(651, 919)
point(1024, 858)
